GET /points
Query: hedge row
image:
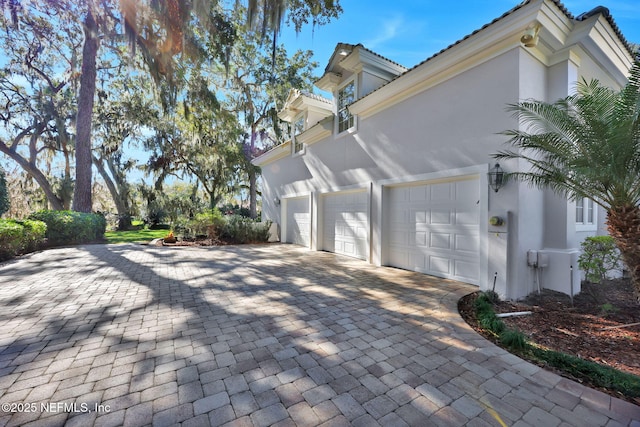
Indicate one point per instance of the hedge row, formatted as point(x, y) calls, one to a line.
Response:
point(69, 227)
point(18, 237)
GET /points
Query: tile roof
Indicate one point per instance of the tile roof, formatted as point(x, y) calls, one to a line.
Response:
point(558, 3)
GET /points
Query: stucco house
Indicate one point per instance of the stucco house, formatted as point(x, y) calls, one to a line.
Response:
point(394, 169)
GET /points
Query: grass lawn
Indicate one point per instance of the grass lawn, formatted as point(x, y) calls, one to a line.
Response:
point(134, 236)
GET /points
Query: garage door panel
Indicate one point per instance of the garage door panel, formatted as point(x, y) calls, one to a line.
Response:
point(298, 221)
point(441, 192)
point(416, 194)
point(345, 223)
point(440, 265)
point(440, 240)
point(440, 216)
point(467, 243)
point(434, 228)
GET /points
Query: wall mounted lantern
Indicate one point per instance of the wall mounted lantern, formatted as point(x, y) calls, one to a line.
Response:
point(497, 177)
point(276, 201)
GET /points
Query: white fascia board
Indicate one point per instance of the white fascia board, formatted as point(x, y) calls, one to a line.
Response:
point(299, 103)
point(608, 50)
point(312, 104)
point(287, 115)
point(317, 132)
point(362, 59)
point(276, 153)
point(329, 81)
point(498, 38)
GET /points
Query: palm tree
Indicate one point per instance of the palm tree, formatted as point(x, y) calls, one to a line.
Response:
point(588, 145)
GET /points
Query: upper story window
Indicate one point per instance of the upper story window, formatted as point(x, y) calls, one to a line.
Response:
point(586, 214)
point(298, 128)
point(346, 96)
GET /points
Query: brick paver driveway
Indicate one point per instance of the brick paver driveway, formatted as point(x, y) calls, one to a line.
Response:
point(258, 335)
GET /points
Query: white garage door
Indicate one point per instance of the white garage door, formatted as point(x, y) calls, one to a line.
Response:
point(346, 224)
point(434, 229)
point(298, 221)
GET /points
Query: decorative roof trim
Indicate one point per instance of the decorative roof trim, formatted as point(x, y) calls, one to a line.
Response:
point(276, 153)
point(374, 102)
point(317, 132)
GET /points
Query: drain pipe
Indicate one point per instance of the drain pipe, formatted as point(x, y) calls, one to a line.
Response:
point(571, 282)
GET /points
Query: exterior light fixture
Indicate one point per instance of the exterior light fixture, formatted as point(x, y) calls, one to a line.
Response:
point(530, 36)
point(276, 201)
point(496, 177)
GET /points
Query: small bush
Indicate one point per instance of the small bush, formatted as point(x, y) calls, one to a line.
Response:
point(245, 230)
point(515, 340)
point(599, 257)
point(17, 237)
point(206, 224)
point(34, 234)
point(68, 227)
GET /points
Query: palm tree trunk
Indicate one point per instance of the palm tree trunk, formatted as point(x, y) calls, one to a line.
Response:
point(82, 194)
point(624, 227)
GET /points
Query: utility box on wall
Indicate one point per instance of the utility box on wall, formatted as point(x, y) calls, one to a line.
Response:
point(562, 273)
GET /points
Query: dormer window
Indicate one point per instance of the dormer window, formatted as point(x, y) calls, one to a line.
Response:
point(346, 96)
point(298, 128)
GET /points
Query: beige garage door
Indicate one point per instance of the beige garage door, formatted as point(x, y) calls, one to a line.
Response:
point(298, 221)
point(346, 223)
point(433, 228)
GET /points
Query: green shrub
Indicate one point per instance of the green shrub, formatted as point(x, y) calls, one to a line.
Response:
point(245, 230)
point(10, 238)
point(601, 376)
point(206, 224)
point(17, 237)
point(599, 256)
point(68, 227)
point(34, 234)
point(513, 339)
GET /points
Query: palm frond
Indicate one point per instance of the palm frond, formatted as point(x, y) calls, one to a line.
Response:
point(585, 145)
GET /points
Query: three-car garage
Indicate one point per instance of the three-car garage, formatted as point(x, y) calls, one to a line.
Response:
point(429, 226)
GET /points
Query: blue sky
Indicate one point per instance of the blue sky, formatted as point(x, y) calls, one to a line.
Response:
point(410, 31)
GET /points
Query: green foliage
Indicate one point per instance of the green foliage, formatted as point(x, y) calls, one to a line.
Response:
point(608, 309)
point(245, 230)
point(18, 237)
point(517, 342)
point(133, 236)
point(513, 339)
point(486, 315)
point(68, 227)
point(601, 376)
point(600, 255)
point(4, 193)
point(206, 224)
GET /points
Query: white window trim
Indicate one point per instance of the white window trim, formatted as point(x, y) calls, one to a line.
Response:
point(587, 226)
point(295, 153)
point(353, 128)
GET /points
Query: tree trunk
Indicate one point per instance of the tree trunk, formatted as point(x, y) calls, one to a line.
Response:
point(41, 179)
point(82, 194)
point(253, 192)
point(124, 216)
point(624, 227)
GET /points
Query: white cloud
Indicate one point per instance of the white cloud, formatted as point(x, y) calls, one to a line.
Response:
point(388, 31)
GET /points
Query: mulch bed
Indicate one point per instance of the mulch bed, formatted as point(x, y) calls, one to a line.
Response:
point(601, 324)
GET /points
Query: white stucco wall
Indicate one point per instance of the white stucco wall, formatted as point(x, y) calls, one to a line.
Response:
point(451, 127)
